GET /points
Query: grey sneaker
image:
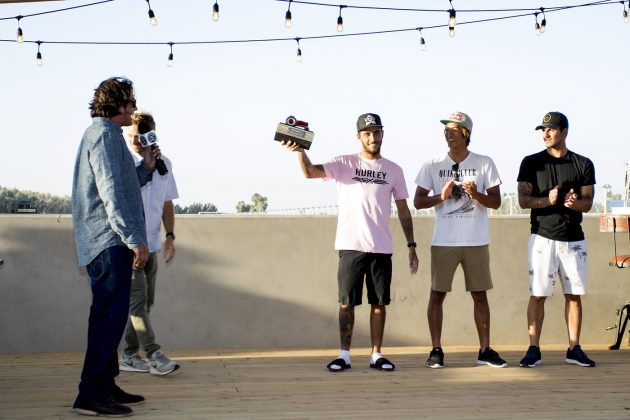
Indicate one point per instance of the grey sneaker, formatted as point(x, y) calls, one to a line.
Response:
point(133, 363)
point(162, 365)
point(436, 358)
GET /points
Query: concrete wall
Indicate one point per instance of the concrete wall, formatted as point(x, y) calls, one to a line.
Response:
point(262, 282)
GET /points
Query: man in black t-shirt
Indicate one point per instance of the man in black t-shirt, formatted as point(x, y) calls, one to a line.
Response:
point(557, 185)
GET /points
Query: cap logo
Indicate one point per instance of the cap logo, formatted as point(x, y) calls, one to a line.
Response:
point(369, 120)
point(547, 118)
point(456, 116)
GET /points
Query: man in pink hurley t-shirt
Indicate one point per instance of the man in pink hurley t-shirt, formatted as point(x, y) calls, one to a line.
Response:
point(366, 183)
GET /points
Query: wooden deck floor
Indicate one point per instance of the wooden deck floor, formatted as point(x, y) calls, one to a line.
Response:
point(295, 385)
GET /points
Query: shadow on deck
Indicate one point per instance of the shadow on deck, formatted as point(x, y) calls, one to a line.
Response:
point(270, 384)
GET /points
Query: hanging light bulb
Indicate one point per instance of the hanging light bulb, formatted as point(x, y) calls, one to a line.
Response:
point(340, 20)
point(152, 18)
point(451, 19)
point(298, 57)
point(215, 11)
point(423, 45)
point(170, 56)
point(287, 17)
point(20, 34)
point(40, 60)
point(543, 24)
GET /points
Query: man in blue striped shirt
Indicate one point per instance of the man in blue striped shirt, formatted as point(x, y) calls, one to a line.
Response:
point(110, 236)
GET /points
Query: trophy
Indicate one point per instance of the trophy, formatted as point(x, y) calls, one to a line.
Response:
point(296, 131)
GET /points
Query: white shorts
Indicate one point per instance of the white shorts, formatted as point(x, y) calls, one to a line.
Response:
point(549, 259)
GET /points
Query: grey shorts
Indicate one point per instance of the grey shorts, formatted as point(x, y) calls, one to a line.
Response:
point(475, 261)
point(354, 268)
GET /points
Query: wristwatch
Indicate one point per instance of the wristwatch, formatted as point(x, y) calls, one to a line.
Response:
point(170, 234)
point(411, 245)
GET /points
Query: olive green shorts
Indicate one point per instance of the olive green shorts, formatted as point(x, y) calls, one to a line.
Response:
point(475, 261)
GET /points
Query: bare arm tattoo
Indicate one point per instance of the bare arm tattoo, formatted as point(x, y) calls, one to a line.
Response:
point(527, 201)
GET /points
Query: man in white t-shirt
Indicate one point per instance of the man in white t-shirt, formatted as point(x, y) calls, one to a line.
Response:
point(157, 199)
point(464, 185)
point(366, 184)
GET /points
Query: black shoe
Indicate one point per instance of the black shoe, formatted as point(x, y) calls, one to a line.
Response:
point(122, 397)
point(109, 408)
point(436, 358)
point(491, 358)
point(578, 357)
point(532, 358)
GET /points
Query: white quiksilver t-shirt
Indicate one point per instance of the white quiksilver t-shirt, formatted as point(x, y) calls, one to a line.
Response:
point(460, 220)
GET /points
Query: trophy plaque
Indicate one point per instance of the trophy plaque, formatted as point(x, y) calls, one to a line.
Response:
point(296, 131)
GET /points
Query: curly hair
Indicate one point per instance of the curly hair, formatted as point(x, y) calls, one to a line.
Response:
point(110, 95)
point(145, 117)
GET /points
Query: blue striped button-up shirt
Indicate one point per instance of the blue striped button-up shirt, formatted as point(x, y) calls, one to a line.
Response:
point(106, 201)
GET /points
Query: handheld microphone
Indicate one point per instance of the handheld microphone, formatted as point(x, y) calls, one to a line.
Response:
point(148, 138)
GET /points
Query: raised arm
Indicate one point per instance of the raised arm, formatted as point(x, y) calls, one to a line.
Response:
point(308, 169)
point(404, 215)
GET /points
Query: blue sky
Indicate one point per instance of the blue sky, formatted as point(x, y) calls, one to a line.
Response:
point(217, 107)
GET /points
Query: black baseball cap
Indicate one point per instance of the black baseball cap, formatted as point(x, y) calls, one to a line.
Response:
point(368, 120)
point(554, 120)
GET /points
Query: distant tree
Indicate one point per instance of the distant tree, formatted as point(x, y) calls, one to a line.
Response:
point(43, 202)
point(241, 207)
point(195, 208)
point(209, 207)
point(258, 205)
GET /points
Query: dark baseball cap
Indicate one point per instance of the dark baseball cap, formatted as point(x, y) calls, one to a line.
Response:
point(368, 120)
point(554, 120)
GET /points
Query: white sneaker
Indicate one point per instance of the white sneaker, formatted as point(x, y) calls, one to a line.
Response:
point(161, 365)
point(133, 363)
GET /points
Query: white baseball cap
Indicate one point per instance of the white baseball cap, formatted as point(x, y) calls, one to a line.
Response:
point(459, 118)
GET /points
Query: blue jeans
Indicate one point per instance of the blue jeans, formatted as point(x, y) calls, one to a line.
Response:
point(110, 276)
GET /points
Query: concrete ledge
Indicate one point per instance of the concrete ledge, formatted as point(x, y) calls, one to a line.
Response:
point(270, 282)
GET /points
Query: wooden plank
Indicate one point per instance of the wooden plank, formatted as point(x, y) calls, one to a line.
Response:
point(264, 384)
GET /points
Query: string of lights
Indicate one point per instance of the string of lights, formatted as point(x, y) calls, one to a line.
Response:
point(65, 9)
point(540, 27)
point(405, 9)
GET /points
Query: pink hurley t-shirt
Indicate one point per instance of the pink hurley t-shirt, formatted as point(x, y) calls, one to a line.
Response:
point(365, 189)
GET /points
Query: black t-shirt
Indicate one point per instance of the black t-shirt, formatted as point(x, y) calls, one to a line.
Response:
point(544, 172)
